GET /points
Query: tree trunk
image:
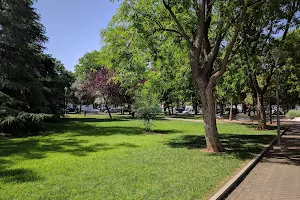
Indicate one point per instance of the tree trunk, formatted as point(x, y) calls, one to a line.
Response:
point(108, 111)
point(230, 115)
point(270, 112)
point(209, 116)
point(261, 112)
point(195, 107)
point(221, 110)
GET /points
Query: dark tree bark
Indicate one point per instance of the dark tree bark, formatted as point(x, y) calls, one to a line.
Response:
point(270, 112)
point(209, 117)
point(169, 110)
point(262, 124)
point(221, 110)
point(108, 111)
point(230, 114)
point(195, 107)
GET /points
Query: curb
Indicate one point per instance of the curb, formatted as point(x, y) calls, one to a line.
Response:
point(238, 178)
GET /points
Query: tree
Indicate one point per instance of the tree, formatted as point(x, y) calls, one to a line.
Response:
point(206, 28)
point(28, 78)
point(78, 93)
point(55, 82)
point(88, 62)
point(231, 88)
point(147, 107)
point(259, 36)
point(21, 56)
point(289, 81)
point(101, 86)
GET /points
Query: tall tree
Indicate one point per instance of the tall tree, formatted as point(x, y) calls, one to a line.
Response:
point(101, 86)
point(88, 62)
point(260, 36)
point(206, 27)
point(21, 40)
point(30, 81)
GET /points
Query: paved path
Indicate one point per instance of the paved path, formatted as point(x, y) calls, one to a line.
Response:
point(277, 176)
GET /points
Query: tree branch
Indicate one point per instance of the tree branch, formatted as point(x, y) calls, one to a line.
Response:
point(218, 39)
point(222, 69)
point(165, 29)
point(207, 45)
point(180, 27)
point(293, 10)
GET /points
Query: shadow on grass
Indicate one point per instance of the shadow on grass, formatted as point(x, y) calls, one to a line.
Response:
point(40, 147)
point(8, 175)
point(91, 119)
point(18, 175)
point(164, 132)
point(268, 127)
point(32, 148)
point(241, 146)
point(185, 116)
point(77, 128)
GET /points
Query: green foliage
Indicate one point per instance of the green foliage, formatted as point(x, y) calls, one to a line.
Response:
point(30, 81)
point(89, 61)
point(24, 123)
point(232, 86)
point(147, 108)
point(289, 74)
point(292, 114)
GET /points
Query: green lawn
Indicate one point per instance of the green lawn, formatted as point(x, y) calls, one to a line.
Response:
point(99, 158)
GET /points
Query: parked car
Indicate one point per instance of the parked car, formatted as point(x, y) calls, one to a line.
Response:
point(188, 111)
point(126, 109)
point(71, 110)
point(90, 110)
point(113, 110)
point(179, 110)
point(275, 112)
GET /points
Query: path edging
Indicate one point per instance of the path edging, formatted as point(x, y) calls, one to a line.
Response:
point(230, 185)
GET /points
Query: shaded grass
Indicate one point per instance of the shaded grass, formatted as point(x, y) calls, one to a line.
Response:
point(184, 116)
point(99, 158)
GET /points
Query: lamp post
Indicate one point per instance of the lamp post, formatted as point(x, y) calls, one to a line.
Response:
point(276, 56)
point(65, 100)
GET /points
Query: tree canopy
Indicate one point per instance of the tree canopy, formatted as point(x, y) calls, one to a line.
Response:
point(31, 82)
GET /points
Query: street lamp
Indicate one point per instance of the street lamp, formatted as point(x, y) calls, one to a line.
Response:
point(65, 100)
point(276, 55)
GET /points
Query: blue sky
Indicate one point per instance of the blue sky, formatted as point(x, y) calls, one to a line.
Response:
point(72, 26)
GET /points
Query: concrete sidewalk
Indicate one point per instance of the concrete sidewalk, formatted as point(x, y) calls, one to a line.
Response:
point(277, 175)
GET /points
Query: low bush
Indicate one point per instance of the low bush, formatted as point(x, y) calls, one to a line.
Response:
point(25, 123)
point(147, 109)
point(292, 114)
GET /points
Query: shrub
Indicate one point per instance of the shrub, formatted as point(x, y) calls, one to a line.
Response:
point(147, 108)
point(24, 123)
point(292, 114)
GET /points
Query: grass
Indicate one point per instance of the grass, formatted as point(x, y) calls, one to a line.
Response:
point(99, 158)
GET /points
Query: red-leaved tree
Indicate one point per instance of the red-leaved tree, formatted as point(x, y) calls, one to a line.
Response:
point(101, 86)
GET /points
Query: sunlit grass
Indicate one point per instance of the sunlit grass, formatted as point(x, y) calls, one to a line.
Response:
point(95, 157)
